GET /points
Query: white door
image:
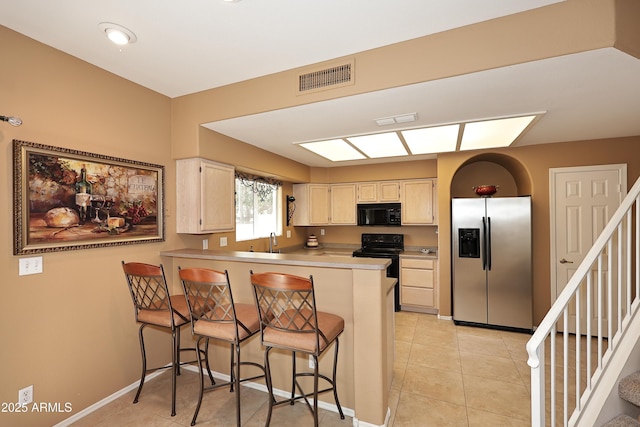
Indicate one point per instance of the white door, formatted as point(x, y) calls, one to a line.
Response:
point(582, 199)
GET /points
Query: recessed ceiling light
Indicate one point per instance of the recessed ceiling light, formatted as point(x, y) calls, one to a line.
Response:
point(379, 145)
point(437, 139)
point(117, 33)
point(335, 150)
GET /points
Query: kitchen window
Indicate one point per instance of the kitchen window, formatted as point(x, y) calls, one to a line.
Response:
point(258, 204)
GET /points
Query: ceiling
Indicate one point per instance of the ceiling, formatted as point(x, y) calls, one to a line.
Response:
point(179, 44)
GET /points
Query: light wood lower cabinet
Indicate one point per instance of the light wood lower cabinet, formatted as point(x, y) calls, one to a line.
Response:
point(418, 284)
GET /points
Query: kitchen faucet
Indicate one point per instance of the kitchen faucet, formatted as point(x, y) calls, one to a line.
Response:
point(272, 242)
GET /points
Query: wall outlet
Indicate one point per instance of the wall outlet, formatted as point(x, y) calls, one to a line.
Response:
point(32, 265)
point(288, 234)
point(312, 362)
point(25, 395)
point(205, 244)
point(322, 231)
point(223, 241)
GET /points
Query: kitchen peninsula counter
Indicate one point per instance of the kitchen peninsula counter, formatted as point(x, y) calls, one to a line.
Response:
point(356, 289)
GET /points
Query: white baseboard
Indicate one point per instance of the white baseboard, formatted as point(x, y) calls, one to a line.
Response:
point(256, 386)
point(104, 402)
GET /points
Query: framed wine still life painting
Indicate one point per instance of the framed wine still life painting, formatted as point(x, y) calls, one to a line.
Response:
point(65, 199)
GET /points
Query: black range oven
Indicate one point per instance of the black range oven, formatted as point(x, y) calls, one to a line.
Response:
point(384, 246)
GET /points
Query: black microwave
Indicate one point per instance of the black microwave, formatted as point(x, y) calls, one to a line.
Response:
point(379, 214)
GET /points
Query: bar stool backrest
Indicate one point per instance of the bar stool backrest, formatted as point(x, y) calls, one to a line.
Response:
point(287, 303)
point(149, 290)
point(210, 299)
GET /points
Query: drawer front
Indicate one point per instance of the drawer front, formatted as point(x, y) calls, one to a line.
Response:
point(416, 296)
point(428, 264)
point(418, 278)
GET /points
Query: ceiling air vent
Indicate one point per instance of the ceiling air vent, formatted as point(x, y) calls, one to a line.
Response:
point(326, 78)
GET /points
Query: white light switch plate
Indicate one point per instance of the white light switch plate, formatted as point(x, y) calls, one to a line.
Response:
point(32, 265)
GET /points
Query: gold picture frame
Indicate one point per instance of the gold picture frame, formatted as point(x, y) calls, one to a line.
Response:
point(120, 202)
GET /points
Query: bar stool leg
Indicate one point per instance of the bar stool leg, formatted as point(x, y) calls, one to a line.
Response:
point(267, 368)
point(232, 372)
point(175, 369)
point(144, 363)
point(201, 377)
point(206, 360)
point(315, 391)
point(177, 359)
point(236, 382)
point(335, 370)
point(293, 378)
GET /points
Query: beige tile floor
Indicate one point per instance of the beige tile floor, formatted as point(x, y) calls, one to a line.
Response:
point(444, 375)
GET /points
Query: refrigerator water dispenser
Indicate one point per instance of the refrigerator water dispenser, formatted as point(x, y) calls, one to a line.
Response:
point(469, 243)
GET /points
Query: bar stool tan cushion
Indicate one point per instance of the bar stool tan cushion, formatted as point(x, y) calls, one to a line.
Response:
point(329, 325)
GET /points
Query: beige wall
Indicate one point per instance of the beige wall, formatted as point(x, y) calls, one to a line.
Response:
point(70, 330)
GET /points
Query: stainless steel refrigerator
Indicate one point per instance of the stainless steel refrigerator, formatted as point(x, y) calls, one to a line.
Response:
point(492, 274)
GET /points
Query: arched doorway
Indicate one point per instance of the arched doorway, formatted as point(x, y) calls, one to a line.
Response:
point(493, 169)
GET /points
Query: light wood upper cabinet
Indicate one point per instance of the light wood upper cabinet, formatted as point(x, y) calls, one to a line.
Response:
point(335, 204)
point(388, 191)
point(324, 204)
point(367, 192)
point(418, 202)
point(205, 193)
point(312, 204)
point(381, 191)
point(343, 204)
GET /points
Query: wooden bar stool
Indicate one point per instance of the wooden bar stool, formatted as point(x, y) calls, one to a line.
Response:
point(289, 320)
point(214, 315)
point(154, 305)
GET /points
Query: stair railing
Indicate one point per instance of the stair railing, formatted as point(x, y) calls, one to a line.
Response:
point(601, 298)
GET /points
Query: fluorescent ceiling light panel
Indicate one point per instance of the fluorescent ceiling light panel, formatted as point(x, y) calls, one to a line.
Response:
point(493, 133)
point(438, 139)
point(335, 150)
point(379, 145)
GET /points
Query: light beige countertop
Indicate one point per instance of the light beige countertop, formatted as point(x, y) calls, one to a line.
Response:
point(336, 251)
point(304, 257)
point(419, 255)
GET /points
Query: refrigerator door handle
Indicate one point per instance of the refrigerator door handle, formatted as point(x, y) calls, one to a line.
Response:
point(484, 243)
point(488, 240)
